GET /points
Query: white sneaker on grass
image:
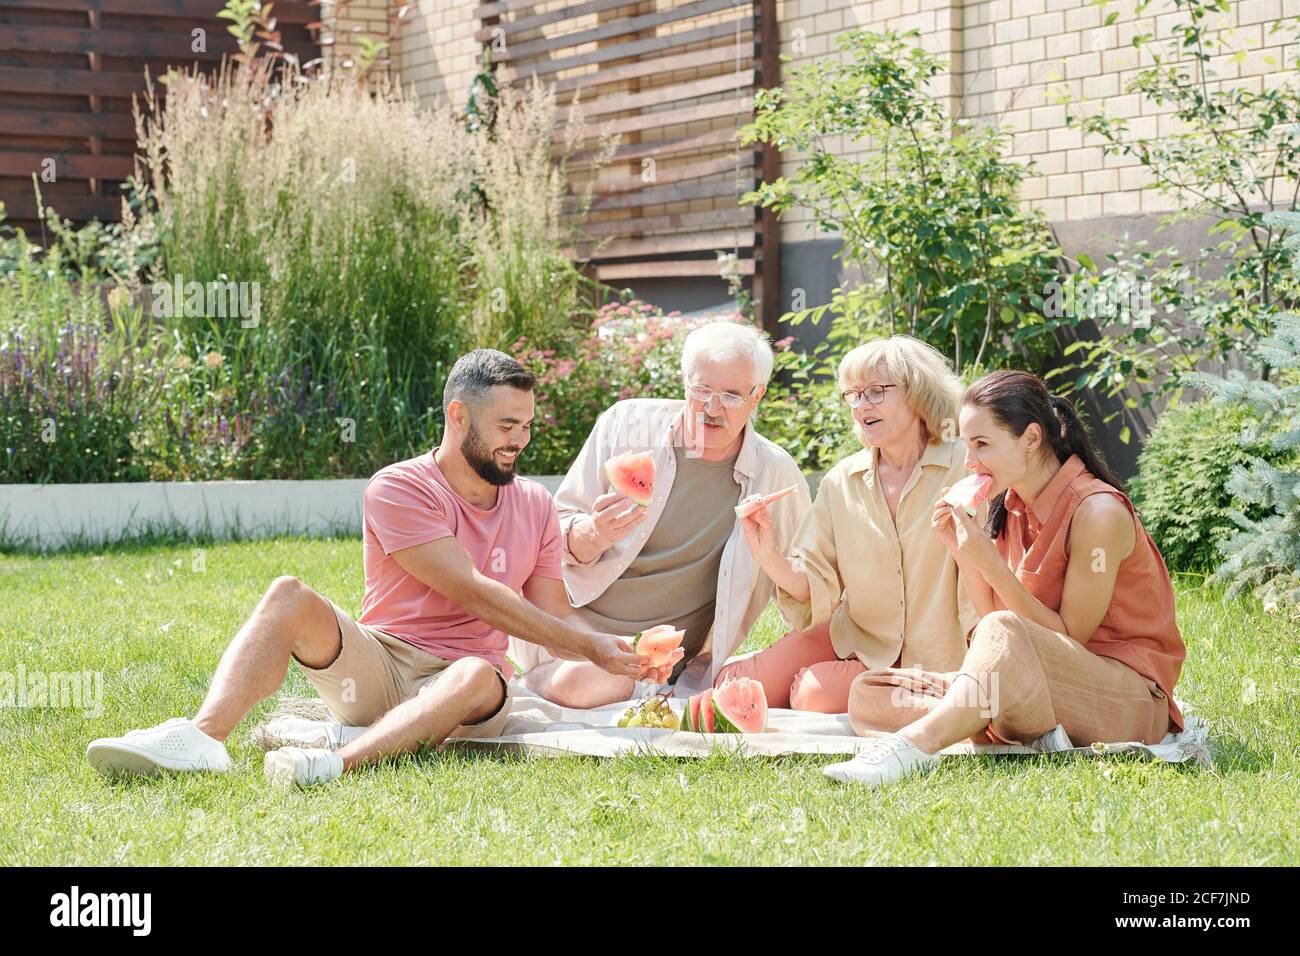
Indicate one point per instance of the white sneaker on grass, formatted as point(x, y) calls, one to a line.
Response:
point(301, 767)
point(305, 733)
point(882, 761)
point(1054, 741)
point(174, 745)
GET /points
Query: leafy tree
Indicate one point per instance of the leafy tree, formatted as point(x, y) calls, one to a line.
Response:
point(1264, 554)
point(928, 212)
point(1235, 156)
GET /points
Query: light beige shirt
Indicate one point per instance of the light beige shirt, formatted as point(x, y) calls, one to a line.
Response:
point(900, 587)
point(674, 580)
point(743, 590)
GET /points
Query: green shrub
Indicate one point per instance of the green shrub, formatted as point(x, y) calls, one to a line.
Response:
point(1180, 488)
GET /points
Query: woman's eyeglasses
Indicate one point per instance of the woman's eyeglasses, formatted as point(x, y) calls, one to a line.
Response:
point(875, 394)
point(703, 394)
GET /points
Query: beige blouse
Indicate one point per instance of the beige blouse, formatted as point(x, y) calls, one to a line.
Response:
point(903, 600)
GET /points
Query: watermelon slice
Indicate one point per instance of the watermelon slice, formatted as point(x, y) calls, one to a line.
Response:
point(659, 645)
point(969, 493)
point(690, 714)
point(632, 474)
point(740, 707)
point(704, 724)
point(747, 508)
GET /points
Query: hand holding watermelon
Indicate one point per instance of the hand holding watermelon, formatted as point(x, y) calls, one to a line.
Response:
point(660, 649)
point(613, 517)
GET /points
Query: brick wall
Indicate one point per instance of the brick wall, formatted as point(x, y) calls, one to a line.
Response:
point(1008, 58)
point(346, 21)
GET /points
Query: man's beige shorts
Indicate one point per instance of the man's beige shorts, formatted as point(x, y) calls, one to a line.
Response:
point(374, 672)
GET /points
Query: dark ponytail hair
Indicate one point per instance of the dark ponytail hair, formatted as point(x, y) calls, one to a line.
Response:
point(1020, 399)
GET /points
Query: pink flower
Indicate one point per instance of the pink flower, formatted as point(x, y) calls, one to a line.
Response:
point(782, 344)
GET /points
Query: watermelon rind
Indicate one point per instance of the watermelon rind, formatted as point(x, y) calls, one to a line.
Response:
point(691, 713)
point(707, 712)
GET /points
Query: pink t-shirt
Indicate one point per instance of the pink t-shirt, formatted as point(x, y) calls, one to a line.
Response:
point(410, 503)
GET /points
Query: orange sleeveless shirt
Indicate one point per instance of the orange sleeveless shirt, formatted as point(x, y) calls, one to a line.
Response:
point(1139, 628)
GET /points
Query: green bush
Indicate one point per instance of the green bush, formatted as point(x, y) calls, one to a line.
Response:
point(1180, 490)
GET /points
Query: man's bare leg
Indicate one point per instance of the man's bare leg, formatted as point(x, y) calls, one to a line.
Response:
point(468, 691)
point(577, 684)
point(290, 619)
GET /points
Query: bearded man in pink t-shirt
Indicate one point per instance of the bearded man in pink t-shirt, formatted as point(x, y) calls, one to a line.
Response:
point(458, 553)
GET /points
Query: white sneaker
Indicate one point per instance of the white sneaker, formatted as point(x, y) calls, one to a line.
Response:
point(1054, 741)
point(304, 733)
point(175, 744)
point(886, 760)
point(302, 767)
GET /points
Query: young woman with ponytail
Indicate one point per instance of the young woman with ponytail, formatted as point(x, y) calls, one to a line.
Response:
point(1077, 625)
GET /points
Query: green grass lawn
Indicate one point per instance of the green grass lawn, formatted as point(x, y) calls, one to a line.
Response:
point(154, 628)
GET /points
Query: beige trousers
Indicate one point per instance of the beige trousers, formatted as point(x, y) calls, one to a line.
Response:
point(1026, 679)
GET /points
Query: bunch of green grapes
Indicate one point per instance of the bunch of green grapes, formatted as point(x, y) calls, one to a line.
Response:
point(652, 712)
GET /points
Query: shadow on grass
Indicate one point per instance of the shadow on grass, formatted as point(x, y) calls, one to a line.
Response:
point(1232, 754)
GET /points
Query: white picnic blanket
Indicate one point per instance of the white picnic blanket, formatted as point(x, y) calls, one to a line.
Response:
point(538, 727)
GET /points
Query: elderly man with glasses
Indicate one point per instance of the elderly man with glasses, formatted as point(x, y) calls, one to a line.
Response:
point(681, 559)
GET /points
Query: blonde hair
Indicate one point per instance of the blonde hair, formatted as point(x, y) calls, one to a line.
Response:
point(933, 391)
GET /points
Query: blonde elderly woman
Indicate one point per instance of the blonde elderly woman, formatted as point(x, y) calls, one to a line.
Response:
point(679, 560)
point(868, 584)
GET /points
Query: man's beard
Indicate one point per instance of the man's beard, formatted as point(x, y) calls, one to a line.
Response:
point(480, 458)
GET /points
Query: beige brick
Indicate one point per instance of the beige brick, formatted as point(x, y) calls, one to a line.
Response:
point(1101, 181)
point(827, 22)
point(1153, 201)
point(1083, 159)
point(1016, 120)
point(1027, 51)
point(1067, 138)
point(1081, 18)
point(1121, 203)
point(1119, 161)
point(1047, 24)
point(1084, 64)
point(1130, 104)
point(1143, 127)
point(1029, 143)
point(1258, 11)
point(1053, 209)
point(1047, 117)
point(1095, 87)
point(1034, 187)
point(1134, 178)
point(1083, 207)
point(1121, 58)
point(1027, 8)
point(1066, 184)
point(1009, 31)
point(1049, 164)
point(1062, 45)
point(1013, 77)
point(1126, 30)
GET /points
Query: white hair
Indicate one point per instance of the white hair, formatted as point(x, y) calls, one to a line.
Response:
point(723, 341)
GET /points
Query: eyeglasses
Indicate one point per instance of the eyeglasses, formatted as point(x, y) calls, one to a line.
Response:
point(703, 394)
point(875, 394)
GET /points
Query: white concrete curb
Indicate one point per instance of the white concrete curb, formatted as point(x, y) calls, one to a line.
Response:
point(46, 517)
